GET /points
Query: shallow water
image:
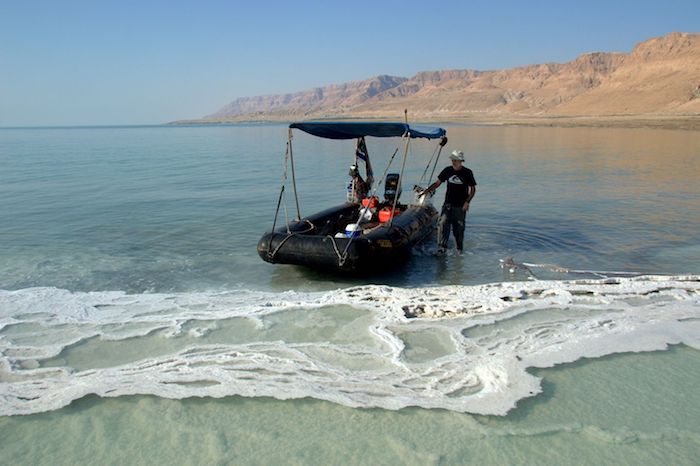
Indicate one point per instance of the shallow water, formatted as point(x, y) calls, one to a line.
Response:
point(621, 409)
point(129, 268)
point(181, 209)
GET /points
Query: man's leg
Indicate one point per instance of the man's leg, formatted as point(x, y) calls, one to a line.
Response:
point(444, 227)
point(458, 218)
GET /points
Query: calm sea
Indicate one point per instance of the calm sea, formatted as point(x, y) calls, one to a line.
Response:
point(138, 324)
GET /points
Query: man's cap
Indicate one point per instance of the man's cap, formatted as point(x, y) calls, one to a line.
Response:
point(457, 155)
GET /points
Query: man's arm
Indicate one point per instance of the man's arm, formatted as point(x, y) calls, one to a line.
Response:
point(471, 192)
point(431, 188)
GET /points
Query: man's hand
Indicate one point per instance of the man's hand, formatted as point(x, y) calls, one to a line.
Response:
point(465, 207)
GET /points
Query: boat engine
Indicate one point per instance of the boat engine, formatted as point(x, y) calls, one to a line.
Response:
point(392, 187)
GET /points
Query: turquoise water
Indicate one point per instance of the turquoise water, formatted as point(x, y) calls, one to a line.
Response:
point(129, 271)
point(624, 409)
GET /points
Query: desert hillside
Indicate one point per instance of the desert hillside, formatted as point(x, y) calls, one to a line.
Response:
point(659, 77)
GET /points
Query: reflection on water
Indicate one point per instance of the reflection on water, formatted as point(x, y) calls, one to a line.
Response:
point(611, 198)
point(167, 209)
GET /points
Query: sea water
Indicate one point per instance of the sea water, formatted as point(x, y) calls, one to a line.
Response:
point(137, 322)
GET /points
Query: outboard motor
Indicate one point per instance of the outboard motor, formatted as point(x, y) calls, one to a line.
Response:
point(392, 187)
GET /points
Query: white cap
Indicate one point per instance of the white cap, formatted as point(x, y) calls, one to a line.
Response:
point(457, 155)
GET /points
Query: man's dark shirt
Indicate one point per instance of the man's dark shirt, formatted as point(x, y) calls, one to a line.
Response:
point(457, 183)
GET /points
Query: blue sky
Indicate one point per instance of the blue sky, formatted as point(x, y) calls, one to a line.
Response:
point(140, 62)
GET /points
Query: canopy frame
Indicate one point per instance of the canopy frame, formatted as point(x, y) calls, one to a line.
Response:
point(353, 130)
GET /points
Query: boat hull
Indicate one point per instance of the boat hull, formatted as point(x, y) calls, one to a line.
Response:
point(311, 242)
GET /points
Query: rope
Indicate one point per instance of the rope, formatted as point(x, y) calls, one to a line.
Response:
point(512, 266)
point(341, 258)
point(279, 199)
point(272, 254)
point(287, 157)
point(600, 273)
point(286, 217)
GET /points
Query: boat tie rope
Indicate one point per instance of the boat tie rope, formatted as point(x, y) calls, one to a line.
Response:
point(287, 156)
point(279, 199)
point(271, 254)
point(341, 257)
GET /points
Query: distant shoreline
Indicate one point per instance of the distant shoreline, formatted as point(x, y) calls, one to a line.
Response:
point(670, 122)
point(676, 122)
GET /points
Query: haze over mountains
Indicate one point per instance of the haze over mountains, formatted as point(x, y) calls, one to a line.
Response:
point(661, 77)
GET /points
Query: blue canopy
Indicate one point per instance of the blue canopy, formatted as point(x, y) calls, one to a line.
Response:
point(351, 130)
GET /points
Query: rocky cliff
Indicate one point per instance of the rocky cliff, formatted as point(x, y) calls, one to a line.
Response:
point(660, 76)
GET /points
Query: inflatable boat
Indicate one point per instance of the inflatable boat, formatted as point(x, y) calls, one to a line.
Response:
point(365, 234)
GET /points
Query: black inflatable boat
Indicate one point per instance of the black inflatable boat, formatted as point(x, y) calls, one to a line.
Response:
point(363, 235)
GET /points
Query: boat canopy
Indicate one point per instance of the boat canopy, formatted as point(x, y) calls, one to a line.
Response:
point(351, 130)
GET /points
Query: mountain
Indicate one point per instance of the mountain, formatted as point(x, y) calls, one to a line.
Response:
point(340, 97)
point(661, 77)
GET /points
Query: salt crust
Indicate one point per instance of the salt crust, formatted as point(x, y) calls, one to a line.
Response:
point(496, 332)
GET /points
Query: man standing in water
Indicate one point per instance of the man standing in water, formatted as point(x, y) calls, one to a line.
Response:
point(461, 188)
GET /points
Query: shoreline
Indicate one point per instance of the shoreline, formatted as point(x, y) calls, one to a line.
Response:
point(673, 122)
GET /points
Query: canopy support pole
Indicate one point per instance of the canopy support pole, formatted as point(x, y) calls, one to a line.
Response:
point(294, 178)
point(403, 166)
point(443, 141)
